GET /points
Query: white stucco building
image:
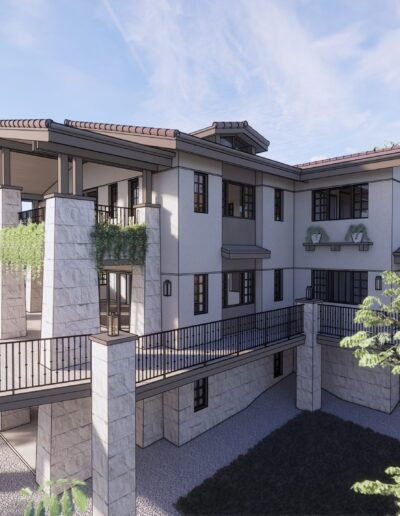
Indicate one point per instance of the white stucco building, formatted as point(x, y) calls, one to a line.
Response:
point(235, 293)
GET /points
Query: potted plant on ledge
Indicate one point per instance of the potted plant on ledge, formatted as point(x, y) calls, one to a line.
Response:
point(315, 235)
point(356, 233)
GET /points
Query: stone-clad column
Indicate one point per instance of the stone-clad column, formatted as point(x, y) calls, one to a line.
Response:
point(12, 283)
point(70, 282)
point(146, 280)
point(113, 424)
point(309, 362)
point(70, 307)
point(33, 291)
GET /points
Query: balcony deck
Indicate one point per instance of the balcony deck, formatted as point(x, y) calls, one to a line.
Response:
point(35, 371)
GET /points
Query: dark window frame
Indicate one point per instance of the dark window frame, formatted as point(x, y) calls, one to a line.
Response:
point(247, 200)
point(278, 285)
point(339, 286)
point(200, 394)
point(200, 192)
point(322, 202)
point(278, 205)
point(200, 294)
point(278, 364)
point(134, 192)
point(247, 288)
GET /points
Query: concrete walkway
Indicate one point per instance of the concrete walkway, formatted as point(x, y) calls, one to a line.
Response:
point(165, 472)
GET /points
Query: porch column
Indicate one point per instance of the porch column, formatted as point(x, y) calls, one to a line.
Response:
point(33, 291)
point(146, 279)
point(12, 283)
point(113, 424)
point(70, 307)
point(70, 282)
point(5, 167)
point(309, 362)
point(62, 174)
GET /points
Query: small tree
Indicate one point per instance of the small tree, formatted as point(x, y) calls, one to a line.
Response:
point(378, 343)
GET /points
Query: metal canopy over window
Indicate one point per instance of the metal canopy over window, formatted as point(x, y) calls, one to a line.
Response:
point(236, 251)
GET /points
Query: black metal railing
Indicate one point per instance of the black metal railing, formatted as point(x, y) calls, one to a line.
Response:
point(161, 354)
point(32, 216)
point(30, 364)
point(115, 215)
point(338, 321)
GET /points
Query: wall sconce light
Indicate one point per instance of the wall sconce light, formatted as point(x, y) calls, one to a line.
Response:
point(378, 282)
point(113, 324)
point(167, 288)
point(309, 292)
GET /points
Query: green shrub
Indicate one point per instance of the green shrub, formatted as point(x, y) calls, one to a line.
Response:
point(23, 246)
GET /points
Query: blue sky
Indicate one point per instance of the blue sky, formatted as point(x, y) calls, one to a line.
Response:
point(317, 77)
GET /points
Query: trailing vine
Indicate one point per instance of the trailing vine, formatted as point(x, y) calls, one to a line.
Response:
point(23, 246)
point(116, 242)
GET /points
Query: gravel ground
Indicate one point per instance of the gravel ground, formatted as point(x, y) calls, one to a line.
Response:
point(165, 472)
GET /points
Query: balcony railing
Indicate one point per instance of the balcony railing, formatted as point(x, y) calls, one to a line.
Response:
point(338, 321)
point(33, 364)
point(118, 215)
point(161, 354)
point(32, 216)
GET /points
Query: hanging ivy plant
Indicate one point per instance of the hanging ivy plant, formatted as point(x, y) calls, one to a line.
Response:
point(23, 246)
point(115, 243)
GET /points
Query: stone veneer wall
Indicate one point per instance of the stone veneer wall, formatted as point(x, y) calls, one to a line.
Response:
point(229, 392)
point(149, 420)
point(34, 292)
point(146, 280)
point(64, 440)
point(13, 418)
point(342, 376)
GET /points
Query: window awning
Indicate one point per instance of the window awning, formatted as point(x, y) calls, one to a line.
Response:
point(235, 251)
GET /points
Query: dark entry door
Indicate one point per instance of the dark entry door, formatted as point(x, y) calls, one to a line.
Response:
point(119, 297)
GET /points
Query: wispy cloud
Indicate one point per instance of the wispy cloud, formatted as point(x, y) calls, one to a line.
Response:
point(18, 22)
point(255, 60)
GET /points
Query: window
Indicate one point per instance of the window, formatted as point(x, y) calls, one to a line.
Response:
point(200, 394)
point(347, 287)
point(233, 142)
point(200, 294)
point(278, 364)
point(200, 192)
point(238, 200)
point(134, 192)
point(346, 202)
point(102, 279)
point(278, 205)
point(113, 199)
point(238, 288)
point(278, 285)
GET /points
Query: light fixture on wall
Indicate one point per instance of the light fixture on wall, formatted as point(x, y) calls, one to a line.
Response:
point(167, 288)
point(113, 324)
point(378, 282)
point(309, 292)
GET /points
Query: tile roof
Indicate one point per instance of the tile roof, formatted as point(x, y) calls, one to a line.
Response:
point(33, 123)
point(122, 128)
point(351, 157)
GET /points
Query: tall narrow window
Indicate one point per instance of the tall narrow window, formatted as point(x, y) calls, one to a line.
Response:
point(278, 364)
point(278, 205)
point(200, 394)
point(200, 192)
point(134, 192)
point(200, 294)
point(113, 199)
point(278, 285)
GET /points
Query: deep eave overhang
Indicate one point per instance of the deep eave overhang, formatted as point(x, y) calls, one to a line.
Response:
point(49, 138)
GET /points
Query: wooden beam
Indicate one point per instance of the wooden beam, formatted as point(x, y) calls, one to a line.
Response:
point(77, 176)
point(62, 174)
point(5, 167)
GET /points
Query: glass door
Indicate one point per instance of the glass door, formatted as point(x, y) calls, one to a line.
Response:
point(119, 297)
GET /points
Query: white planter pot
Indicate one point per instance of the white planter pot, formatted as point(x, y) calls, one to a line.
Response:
point(357, 237)
point(316, 238)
